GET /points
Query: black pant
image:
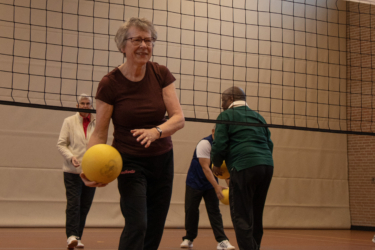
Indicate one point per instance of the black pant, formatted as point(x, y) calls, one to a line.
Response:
point(247, 195)
point(79, 199)
point(193, 198)
point(145, 186)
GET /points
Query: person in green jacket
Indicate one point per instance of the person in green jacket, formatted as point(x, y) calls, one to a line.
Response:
point(247, 151)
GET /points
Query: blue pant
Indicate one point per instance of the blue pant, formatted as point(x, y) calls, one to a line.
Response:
point(193, 198)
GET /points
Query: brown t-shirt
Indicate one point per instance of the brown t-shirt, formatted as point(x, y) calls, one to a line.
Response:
point(137, 105)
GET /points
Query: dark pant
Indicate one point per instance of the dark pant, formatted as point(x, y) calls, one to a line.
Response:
point(193, 198)
point(247, 195)
point(79, 199)
point(145, 186)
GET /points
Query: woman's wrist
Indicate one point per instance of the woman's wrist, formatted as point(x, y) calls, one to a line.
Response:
point(160, 132)
point(157, 134)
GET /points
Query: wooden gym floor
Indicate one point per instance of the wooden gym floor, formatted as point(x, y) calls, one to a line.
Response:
point(107, 239)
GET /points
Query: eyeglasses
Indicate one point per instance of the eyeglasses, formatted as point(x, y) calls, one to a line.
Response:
point(85, 103)
point(136, 41)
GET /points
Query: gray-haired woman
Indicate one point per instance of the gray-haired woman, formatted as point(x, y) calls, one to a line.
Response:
point(136, 95)
point(74, 137)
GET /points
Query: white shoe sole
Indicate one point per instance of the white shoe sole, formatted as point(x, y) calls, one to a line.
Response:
point(73, 244)
point(186, 246)
point(225, 248)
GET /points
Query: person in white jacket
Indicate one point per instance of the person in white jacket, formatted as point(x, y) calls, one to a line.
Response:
point(74, 136)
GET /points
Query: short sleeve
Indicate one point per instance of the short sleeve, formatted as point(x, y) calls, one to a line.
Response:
point(167, 76)
point(106, 92)
point(204, 149)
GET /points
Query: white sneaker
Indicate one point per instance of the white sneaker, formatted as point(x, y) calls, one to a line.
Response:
point(80, 244)
point(72, 242)
point(373, 239)
point(186, 244)
point(224, 245)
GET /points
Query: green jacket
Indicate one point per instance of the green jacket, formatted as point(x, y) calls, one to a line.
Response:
point(241, 146)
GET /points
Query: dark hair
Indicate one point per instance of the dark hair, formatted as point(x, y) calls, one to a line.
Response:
point(236, 93)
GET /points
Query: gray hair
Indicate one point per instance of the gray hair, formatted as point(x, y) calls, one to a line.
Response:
point(140, 23)
point(84, 96)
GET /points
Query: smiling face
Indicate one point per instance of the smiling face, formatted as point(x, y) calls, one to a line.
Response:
point(84, 103)
point(137, 54)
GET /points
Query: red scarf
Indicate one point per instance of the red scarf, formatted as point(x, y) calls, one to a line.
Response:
point(86, 121)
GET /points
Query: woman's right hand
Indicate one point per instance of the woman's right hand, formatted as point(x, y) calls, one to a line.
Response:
point(75, 162)
point(91, 183)
point(218, 190)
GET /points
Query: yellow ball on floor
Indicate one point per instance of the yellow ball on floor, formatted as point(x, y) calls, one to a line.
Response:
point(102, 163)
point(224, 171)
point(225, 200)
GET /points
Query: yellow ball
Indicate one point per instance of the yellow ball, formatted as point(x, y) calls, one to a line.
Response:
point(225, 200)
point(102, 163)
point(224, 171)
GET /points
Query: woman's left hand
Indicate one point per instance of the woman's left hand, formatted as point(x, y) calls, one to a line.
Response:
point(146, 136)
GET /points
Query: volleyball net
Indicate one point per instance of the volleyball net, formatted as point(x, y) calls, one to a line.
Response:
point(303, 64)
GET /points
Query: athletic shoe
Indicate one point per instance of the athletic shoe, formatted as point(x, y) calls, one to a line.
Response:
point(373, 239)
point(224, 245)
point(186, 244)
point(80, 244)
point(72, 242)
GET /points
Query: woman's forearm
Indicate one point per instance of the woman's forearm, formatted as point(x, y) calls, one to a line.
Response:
point(174, 123)
point(103, 117)
point(210, 176)
point(97, 138)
